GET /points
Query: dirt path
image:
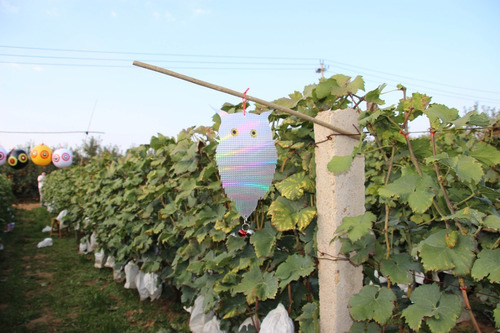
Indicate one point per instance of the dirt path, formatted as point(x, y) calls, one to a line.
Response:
point(27, 205)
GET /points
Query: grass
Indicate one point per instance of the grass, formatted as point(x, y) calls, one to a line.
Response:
point(55, 289)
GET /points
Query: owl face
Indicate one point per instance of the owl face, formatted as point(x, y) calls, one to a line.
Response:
point(41, 155)
point(245, 130)
point(62, 158)
point(17, 158)
point(3, 155)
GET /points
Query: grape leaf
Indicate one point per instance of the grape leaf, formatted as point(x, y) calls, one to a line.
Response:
point(468, 169)
point(339, 164)
point(264, 241)
point(440, 114)
point(487, 265)
point(441, 310)
point(496, 314)
point(257, 285)
point(372, 303)
point(486, 153)
point(294, 186)
point(308, 320)
point(437, 256)
point(397, 268)
point(414, 189)
point(357, 226)
point(364, 327)
point(289, 215)
point(492, 221)
point(295, 267)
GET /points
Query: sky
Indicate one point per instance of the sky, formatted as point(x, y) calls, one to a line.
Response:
point(66, 65)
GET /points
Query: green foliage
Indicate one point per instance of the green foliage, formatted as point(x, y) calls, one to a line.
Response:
point(440, 310)
point(372, 303)
point(6, 201)
point(431, 205)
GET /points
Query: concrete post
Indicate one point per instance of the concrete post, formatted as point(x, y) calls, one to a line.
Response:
point(337, 196)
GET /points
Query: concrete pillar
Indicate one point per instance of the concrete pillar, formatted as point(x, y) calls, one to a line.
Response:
point(337, 196)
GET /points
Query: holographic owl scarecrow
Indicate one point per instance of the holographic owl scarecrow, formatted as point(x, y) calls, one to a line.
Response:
point(246, 158)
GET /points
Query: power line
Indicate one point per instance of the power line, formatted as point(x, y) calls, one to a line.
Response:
point(158, 54)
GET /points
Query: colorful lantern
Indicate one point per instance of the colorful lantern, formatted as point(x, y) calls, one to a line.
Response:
point(3, 155)
point(41, 155)
point(246, 157)
point(17, 158)
point(62, 158)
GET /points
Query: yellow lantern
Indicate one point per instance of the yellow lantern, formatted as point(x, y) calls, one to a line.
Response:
point(41, 155)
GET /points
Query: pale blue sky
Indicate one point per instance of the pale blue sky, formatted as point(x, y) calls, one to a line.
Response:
point(63, 60)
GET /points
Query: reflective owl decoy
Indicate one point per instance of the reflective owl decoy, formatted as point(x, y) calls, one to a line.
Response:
point(246, 157)
point(3, 155)
point(62, 158)
point(17, 159)
point(41, 155)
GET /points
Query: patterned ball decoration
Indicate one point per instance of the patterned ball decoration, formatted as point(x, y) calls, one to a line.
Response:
point(3, 155)
point(17, 159)
point(62, 158)
point(41, 155)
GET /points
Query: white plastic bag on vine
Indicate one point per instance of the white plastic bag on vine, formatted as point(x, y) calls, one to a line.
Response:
point(83, 248)
point(198, 316)
point(118, 274)
point(141, 288)
point(212, 326)
point(110, 262)
point(277, 321)
point(153, 285)
point(100, 259)
point(131, 271)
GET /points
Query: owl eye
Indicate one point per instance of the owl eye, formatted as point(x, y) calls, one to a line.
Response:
point(44, 154)
point(56, 158)
point(65, 157)
point(12, 161)
point(253, 133)
point(2, 156)
point(234, 132)
point(23, 157)
point(34, 153)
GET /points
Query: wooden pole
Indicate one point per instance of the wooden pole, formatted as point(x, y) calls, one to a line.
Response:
point(250, 98)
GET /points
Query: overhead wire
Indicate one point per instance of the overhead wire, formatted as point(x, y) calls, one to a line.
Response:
point(243, 63)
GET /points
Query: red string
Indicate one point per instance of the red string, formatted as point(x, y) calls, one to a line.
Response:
point(245, 101)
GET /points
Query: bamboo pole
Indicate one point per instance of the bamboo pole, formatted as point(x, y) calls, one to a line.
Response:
point(250, 98)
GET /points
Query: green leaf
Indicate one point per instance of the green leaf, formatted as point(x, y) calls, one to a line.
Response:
point(257, 285)
point(289, 215)
point(339, 164)
point(293, 187)
point(492, 222)
point(357, 84)
point(486, 153)
point(496, 314)
point(374, 95)
point(487, 265)
point(428, 302)
point(365, 327)
point(323, 89)
point(356, 227)
point(398, 268)
point(468, 169)
point(372, 303)
point(440, 115)
point(294, 267)
point(414, 189)
point(437, 256)
point(308, 320)
point(264, 241)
